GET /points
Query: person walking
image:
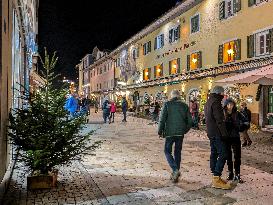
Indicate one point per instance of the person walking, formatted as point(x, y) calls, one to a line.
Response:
point(96, 105)
point(218, 136)
point(234, 124)
point(175, 121)
point(124, 107)
point(106, 109)
point(156, 112)
point(194, 110)
point(113, 109)
point(247, 116)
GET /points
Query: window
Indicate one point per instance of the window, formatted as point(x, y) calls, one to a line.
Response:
point(147, 74)
point(159, 42)
point(135, 53)
point(194, 61)
point(97, 86)
point(262, 43)
point(91, 74)
point(229, 52)
point(94, 73)
point(158, 71)
point(104, 68)
point(100, 85)
point(100, 70)
point(195, 23)
point(174, 66)
point(97, 71)
point(228, 8)
point(256, 2)
point(147, 48)
point(174, 34)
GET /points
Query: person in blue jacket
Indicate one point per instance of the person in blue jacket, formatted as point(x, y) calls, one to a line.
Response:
point(72, 104)
point(124, 107)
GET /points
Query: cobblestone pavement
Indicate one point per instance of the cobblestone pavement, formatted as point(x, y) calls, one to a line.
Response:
point(130, 168)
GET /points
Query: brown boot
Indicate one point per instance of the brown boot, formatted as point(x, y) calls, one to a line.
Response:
point(219, 183)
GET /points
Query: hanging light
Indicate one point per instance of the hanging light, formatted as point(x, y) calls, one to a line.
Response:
point(146, 73)
point(230, 50)
point(194, 60)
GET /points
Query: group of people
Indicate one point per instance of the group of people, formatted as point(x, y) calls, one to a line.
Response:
point(109, 109)
point(77, 105)
point(224, 124)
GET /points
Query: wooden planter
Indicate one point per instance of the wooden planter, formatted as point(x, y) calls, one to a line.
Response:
point(42, 181)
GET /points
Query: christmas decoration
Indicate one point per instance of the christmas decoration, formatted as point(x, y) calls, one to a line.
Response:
point(43, 132)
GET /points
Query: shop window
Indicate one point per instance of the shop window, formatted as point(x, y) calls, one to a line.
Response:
point(158, 71)
point(229, 52)
point(147, 74)
point(174, 34)
point(174, 66)
point(159, 42)
point(147, 48)
point(256, 2)
point(228, 8)
point(195, 23)
point(194, 61)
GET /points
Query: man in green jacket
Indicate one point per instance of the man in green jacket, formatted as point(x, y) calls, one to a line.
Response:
point(175, 121)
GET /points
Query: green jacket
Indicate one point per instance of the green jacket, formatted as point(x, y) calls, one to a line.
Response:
point(175, 119)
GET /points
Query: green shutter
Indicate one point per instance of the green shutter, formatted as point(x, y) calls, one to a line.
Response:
point(170, 35)
point(162, 71)
point(162, 40)
point(237, 45)
point(143, 74)
point(170, 67)
point(188, 62)
point(271, 41)
point(149, 76)
point(155, 72)
point(199, 59)
point(251, 3)
point(155, 44)
point(149, 46)
point(250, 46)
point(178, 65)
point(177, 32)
point(144, 49)
point(236, 5)
point(220, 54)
point(222, 10)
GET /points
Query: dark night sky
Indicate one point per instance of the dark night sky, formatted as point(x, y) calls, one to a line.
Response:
point(73, 28)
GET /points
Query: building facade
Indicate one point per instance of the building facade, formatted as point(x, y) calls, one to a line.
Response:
point(195, 44)
point(19, 29)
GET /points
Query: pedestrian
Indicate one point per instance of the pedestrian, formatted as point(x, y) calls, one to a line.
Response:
point(124, 107)
point(72, 105)
point(218, 136)
point(234, 124)
point(247, 116)
point(194, 110)
point(96, 105)
point(113, 109)
point(84, 107)
point(175, 121)
point(106, 109)
point(156, 112)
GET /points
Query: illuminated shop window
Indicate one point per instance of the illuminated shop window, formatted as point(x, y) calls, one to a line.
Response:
point(147, 74)
point(229, 52)
point(174, 66)
point(158, 71)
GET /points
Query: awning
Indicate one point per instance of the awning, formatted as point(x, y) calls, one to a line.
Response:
point(263, 76)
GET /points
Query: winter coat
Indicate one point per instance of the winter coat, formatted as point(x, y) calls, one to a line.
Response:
point(124, 105)
point(246, 113)
point(175, 119)
point(113, 108)
point(234, 124)
point(214, 115)
point(106, 107)
point(72, 104)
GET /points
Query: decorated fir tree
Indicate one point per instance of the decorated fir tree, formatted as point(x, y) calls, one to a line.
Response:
point(43, 132)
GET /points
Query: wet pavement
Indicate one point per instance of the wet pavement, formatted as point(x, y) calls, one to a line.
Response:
point(130, 168)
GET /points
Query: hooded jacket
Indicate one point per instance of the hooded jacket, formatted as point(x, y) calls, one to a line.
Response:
point(215, 120)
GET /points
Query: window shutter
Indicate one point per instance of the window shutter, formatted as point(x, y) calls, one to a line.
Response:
point(199, 59)
point(178, 31)
point(162, 40)
point(251, 3)
point(143, 75)
point(170, 35)
point(149, 70)
point(144, 53)
point(170, 67)
point(271, 41)
point(155, 72)
point(236, 5)
point(155, 45)
point(237, 45)
point(220, 54)
point(149, 46)
point(250, 46)
point(222, 10)
point(162, 72)
point(188, 62)
point(178, 65)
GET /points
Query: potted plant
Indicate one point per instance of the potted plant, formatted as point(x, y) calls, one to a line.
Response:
point(43, 132)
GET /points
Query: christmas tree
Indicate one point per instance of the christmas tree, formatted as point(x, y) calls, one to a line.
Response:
point(43, 132)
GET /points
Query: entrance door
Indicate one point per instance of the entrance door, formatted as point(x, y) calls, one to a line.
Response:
point(270, 104)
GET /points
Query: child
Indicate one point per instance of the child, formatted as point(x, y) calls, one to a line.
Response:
point(233, 120)
point(112, 112)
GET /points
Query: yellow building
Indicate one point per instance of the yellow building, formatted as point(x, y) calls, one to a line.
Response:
point(195, 44)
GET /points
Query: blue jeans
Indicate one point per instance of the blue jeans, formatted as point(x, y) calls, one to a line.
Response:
point(105, 116)
point(218, 155)
point(175, 161)
point(124, 115)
